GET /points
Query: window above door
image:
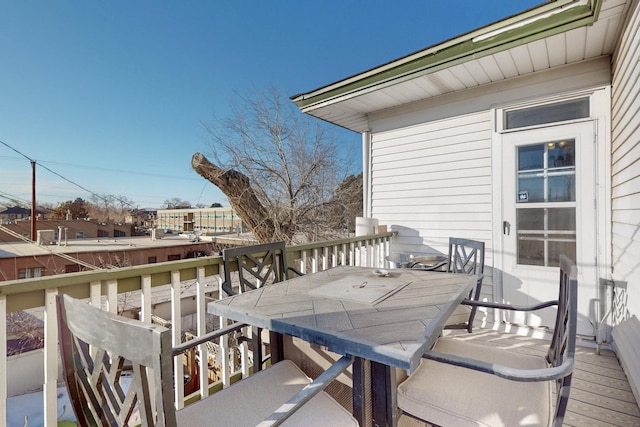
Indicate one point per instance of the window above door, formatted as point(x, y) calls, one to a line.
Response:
point(566, 110)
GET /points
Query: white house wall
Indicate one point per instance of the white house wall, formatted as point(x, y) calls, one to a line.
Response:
point(625, 167)
point(432, 181)
point(431, 162)
point(626, 161)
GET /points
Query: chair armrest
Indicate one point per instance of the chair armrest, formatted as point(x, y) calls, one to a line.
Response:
point(425, 267)
point(295, 270)
point(207, 337)
point(474, 303)
point(513, 374)
point(304, 395)
point(226, 288)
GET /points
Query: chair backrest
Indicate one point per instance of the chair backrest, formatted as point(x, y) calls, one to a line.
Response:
point(257, 265)
point(465, 256)
point(94, 345)
point(563, 343)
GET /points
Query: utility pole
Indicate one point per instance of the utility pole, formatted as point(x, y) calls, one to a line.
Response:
point(33, 200)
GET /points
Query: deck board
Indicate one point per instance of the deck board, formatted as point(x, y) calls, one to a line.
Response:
point(600, 392)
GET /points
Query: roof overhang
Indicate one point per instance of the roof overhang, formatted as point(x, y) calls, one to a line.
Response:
point(345, 103)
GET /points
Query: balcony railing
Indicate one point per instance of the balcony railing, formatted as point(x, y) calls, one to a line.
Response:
point(119, 289)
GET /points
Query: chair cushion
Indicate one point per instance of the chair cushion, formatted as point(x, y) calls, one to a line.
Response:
point(251, 400)
point(449, 395)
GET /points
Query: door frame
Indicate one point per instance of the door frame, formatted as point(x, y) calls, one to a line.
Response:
point(600, 114)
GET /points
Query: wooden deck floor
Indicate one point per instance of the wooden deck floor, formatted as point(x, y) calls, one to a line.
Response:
point(600, 392)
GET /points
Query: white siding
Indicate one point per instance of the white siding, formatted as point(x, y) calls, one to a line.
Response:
point(626, 160)
point(431, 161)
point(432, 181)
point(626, 188)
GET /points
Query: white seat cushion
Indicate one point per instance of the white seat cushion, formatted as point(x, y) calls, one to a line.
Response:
point(449, 395)
point(251, 400)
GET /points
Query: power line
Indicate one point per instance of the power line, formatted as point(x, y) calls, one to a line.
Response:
point(11, 148)
point(14, 198)
point(96, 195)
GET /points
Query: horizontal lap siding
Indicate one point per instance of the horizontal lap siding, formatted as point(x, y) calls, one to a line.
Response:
point(626, 160)
point(433, 181)
point(625, 169)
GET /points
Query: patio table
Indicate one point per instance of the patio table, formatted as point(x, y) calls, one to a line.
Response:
point(388, 320)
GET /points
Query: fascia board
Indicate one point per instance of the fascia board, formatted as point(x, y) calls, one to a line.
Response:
point(535, 24)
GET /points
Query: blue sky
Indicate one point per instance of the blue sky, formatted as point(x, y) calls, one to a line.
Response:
point(111, 94)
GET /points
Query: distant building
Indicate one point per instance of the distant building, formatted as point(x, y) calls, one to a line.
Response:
point(23, 260)
point(142, 218)
point(16, 213)
point(64, 230)
point(208, 221)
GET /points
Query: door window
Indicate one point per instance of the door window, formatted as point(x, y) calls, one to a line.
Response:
point(545, 203)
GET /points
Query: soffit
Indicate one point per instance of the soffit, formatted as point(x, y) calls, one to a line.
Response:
point(506, 50)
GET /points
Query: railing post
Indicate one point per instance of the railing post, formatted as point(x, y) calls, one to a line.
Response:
point(325, 258)
point(95, 293)
point(112, 296)
point(303, 262)
point(314, 261)
point(50, 386)
point(145, 298)
point(223, 355)
point(352, 254)
point(201, 311)
point(3, 359)
point(176, 333)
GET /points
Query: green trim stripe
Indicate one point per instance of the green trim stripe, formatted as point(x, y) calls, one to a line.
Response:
point(459, 50)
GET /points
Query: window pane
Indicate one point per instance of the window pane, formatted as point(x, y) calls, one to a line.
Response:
point(530, 252)
point(544, 234)
point(562, 189)
point(561, 153)
point(562, 219)
point(546, 172)
point(531, 157)
point(530, 219)
point(530, 188)
point(550, 113)
point(558, 248)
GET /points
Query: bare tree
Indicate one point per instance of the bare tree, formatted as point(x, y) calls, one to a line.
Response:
point(278, 168)
point(110, 208)
point(176, 203)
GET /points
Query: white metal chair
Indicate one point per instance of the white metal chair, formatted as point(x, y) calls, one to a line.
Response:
point(101, 351)
point(459, 383)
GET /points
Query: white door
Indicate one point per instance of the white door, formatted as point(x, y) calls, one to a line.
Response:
point(548, 209)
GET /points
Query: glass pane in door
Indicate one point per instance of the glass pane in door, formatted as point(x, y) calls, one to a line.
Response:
point(545, 208)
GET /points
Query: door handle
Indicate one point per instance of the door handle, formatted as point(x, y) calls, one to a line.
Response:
point(506, 228)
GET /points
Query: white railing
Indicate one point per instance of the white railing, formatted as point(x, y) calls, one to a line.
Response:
point(109, 288)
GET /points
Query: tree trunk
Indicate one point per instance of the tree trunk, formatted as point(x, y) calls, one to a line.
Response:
point(243, 199)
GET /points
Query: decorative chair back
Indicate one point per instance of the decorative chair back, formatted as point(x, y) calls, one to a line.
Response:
point(95, 345)
point(257, 265)
point(465, 256)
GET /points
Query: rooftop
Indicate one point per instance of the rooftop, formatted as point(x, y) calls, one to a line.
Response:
point(105, 244)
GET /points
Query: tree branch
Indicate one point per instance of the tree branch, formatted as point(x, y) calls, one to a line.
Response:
point(237, 187)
